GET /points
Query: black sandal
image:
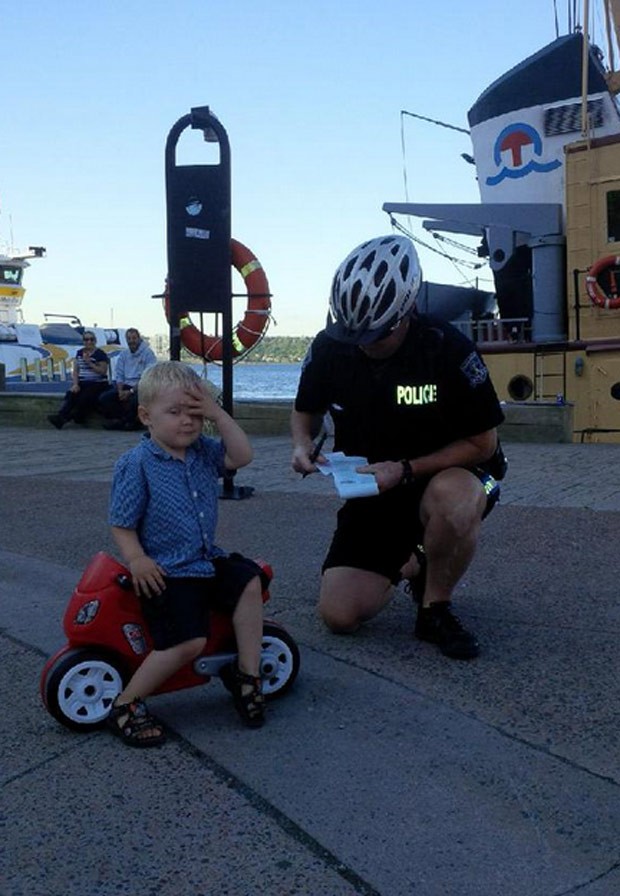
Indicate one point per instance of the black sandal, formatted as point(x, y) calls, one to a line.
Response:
point(138, 721)
point(250, 704)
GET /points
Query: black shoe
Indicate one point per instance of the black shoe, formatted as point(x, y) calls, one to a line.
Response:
point(440, 626)
point(56, 420)
point(416, 584)
point(113, 424)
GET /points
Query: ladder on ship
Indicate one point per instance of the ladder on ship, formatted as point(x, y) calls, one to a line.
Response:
point(550, 376)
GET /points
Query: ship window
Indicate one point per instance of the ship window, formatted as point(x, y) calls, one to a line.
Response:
point(566, 119)
point(10, 274)
point(520, 387)
point(613, 216)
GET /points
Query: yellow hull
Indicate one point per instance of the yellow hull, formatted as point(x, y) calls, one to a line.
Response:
point(577, 374)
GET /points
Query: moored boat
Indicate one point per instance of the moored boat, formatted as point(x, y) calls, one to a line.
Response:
point(546, 146)
point(39, 352)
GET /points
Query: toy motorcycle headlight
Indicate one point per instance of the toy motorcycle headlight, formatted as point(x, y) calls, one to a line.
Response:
point(87, 612)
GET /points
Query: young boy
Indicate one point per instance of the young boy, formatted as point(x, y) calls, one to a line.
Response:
point(163, 513)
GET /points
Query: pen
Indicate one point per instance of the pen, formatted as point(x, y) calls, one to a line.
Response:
point(316, 451)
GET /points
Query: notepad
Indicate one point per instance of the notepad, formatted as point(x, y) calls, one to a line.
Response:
point(349, 483)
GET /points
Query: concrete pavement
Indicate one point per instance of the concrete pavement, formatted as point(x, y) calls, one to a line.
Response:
point(388, 769)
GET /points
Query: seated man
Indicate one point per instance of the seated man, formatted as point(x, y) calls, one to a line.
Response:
point(120, 403)
point(412, 395)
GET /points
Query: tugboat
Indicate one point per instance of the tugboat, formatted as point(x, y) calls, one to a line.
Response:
point(546, 147)
point(32, 352)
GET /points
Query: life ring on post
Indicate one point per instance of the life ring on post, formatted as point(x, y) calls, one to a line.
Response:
point(609, 297)
point(255, 321)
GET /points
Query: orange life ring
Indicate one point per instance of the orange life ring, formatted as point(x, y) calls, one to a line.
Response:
point(597, 294)
point(255, 320)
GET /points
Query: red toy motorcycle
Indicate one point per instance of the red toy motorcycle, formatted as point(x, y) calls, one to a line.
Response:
point(108, 640)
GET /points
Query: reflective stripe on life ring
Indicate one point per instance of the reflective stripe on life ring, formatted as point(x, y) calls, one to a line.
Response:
point(609, 297)
point(255, 321)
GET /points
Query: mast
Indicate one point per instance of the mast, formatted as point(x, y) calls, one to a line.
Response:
point(584, 69)
point(612, 17)
point(612, 28)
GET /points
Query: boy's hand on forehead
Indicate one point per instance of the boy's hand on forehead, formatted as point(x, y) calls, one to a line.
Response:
point(200, 402)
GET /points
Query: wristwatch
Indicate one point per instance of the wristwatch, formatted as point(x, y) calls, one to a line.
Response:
point(407, 475)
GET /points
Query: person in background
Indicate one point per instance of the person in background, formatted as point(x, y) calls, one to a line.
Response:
point(412, 395)
point(163, 514)
point(90, 379)
point(119, 404)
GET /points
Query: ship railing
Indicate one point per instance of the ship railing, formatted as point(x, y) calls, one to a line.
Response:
point(43, 370)
point(497, 330)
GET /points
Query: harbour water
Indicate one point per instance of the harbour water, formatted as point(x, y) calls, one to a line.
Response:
point(259, 382)
point(251, 382)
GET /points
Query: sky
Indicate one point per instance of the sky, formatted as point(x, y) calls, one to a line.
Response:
point(310, 95)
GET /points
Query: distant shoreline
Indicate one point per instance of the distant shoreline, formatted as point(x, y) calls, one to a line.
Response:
point(269, 350)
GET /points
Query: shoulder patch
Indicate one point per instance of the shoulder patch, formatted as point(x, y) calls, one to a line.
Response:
point(475, 370)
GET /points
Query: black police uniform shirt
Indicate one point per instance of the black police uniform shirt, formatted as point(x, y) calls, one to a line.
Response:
point(434, 390)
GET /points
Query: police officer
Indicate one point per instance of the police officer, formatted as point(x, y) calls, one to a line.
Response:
point(412, 395)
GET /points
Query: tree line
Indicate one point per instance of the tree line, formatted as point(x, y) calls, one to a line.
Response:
point(271, 350)
point(280, 349)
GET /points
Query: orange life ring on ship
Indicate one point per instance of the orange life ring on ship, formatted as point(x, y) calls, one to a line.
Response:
point(598, 295)
point(255, 320)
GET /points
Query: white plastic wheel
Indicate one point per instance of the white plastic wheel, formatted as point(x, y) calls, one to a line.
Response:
point(81, 688)
point(279, 660)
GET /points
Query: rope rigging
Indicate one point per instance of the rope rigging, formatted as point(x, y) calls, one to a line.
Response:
point(440, 238)
point(457, 262)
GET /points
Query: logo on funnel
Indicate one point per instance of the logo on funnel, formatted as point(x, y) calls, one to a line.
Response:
point(510, 146)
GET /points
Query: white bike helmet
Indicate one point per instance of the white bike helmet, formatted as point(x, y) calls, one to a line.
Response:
point(373, 289)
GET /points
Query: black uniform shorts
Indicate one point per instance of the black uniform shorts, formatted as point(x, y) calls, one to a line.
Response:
point(181, 612)
point(379, 534)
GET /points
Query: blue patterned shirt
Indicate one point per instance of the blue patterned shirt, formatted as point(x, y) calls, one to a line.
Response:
point(171, 504)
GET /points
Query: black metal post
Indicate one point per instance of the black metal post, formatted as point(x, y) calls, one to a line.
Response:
point(198, 200)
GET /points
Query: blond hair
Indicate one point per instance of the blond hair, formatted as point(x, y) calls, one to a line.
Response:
point(165, 375)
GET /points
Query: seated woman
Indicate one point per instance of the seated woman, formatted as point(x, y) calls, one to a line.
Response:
point(90, 378)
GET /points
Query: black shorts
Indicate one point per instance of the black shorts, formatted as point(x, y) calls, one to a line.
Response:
point(181, 612)
point(379, 534)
